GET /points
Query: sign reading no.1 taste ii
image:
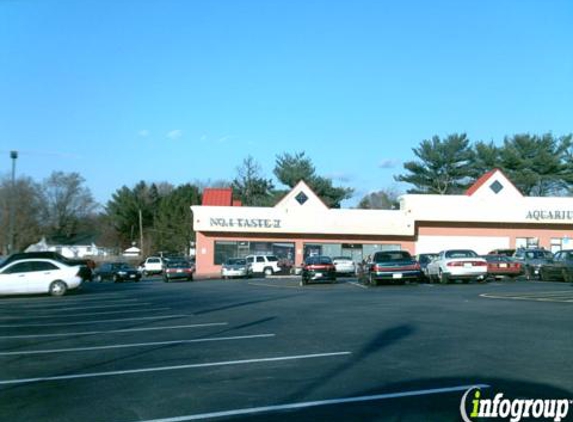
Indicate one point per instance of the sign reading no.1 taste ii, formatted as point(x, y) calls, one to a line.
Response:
point(254, 223)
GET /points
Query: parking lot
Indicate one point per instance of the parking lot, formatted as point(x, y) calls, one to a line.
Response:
point(269, 349)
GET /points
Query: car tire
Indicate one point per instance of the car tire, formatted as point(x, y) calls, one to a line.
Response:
point(566, 276)
point(372, 280)
point(543, 276)
point(58, 288)
point(268, 271)
point(116, 279)
point(443, 277)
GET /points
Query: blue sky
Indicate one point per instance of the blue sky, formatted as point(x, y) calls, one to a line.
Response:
point(164, 90)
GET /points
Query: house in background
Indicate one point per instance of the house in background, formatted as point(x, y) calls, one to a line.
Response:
point(71, 247)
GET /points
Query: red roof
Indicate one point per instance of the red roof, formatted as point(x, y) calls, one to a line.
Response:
point(222, 197)
point(480, 182)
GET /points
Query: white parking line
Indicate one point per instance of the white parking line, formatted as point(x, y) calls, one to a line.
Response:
point(64, 315)
point(93, 322)
point(123, 346)
point(51, 300)
point(354, 283)
point(78, 308)
point(172, 368)
point(124, 330)
point(66, 304)
point(310, 404)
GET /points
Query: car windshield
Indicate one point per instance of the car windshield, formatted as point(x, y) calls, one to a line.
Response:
point(391, 256)
point(318, 260)
point(121, 266)
point(236, 261)
point(462, 253)
point(177, 264)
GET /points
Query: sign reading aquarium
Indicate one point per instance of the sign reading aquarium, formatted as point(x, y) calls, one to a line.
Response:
point(250, 223)
point(541, 215)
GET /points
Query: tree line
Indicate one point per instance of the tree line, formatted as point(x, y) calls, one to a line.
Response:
point(62, 206)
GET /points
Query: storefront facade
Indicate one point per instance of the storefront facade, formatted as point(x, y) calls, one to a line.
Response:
point(492, 214)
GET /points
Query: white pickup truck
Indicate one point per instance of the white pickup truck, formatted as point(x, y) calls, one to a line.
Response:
point(265, 264)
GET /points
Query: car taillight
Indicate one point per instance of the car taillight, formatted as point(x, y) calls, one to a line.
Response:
point(480, 264)
point(455, 264)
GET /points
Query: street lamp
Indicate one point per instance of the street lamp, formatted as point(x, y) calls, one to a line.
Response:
point(13, 156)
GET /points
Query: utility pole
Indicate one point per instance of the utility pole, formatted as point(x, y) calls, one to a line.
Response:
point(13, 156)
point(141, 233)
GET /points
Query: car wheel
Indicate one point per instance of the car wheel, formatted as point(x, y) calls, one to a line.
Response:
point(145, 274)
point(443, 278)
point(543, 276)
point(116, 279)
point(372, 280)
point(268, 271)
point(165, 280)
point(58, 288)
point(566, 276)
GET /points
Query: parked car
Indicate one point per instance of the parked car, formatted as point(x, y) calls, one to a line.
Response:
point(176, 269)
point(499, 266)
point(116, 271)
point(264, 264)
point(560, 269)
point(344, 265)
point(394, 266)
point(38, 275)
point(152, 265)
point(318, 268)
point(532, 259)
point(424, 259)
point(457, 264)
point(87, 265)
point(236, 267)
point(506, 252)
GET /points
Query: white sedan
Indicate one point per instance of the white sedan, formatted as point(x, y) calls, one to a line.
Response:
point(344, 265)
point(457, 264)
point(32, 276)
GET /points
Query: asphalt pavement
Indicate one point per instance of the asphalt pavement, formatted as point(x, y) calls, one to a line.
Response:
point(270, 349)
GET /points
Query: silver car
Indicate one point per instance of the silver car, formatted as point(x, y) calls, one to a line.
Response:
point(236, 267)
point(457, 264)
point(344, 265)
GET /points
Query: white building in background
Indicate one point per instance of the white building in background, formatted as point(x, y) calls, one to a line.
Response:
point(492, 214)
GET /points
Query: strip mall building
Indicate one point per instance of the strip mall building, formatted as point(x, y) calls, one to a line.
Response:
point(492, 214)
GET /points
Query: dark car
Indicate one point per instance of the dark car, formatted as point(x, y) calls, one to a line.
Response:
point(499, 266)
point(318, 268)
point(117, 271)
point(506, 252)
point(532, 259)
point(86, 273)
point(560, 269)
point(394, 266)
point(180, 269)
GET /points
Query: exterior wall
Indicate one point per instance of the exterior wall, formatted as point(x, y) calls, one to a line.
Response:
point(204, 259)
point(483, 238)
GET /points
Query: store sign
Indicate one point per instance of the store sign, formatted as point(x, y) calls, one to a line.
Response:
point(250, 223)
point(540, 215)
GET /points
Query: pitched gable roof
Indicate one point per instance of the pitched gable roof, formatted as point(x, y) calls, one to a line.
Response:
point(492, 183)
point(301, 195)
point(221, 197)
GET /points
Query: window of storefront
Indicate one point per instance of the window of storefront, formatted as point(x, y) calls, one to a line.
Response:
point(526, 242)
point(239, 249)
point(357, 252)
point(556, 244)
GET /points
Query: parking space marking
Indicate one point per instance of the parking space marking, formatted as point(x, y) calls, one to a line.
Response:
point(555, 297)
point(101, 321)
point(76, 308)
point(148, 344)
point(278, 286)
point(355, 283)
point(79, 308)
point(318, 403)
point(60, 315)
point(123, 330)
point(66, 299)
point(173, 368)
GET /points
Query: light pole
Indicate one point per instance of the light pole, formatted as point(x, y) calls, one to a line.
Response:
point(13, 156)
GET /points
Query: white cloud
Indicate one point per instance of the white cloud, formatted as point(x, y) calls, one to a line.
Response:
point(175, 134)
point(144, 133)
point(389, 164)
